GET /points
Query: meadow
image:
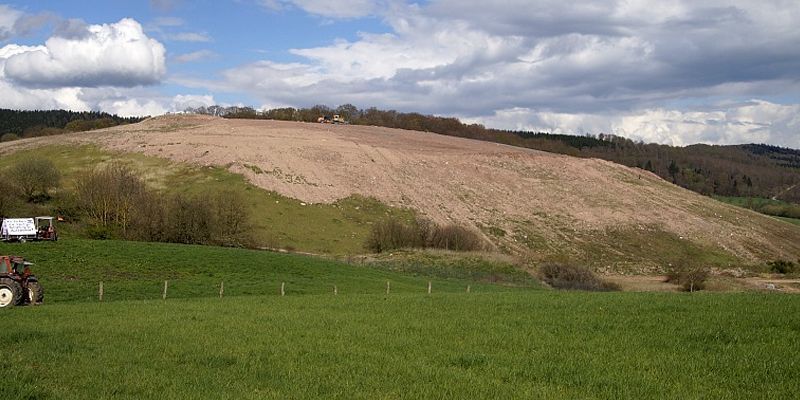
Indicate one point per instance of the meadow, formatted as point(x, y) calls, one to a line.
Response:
point(511, 344)
point(72, 269)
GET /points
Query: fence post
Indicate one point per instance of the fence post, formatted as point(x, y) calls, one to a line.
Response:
point(221, 288)
point(283, 287)
point(429, 287)
point(387, 287)
point(100, 292)
point(164, 296)
point(467, 288)
point(335, 290)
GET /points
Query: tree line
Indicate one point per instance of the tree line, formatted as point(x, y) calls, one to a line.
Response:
point(752, 170)
point(15, 124)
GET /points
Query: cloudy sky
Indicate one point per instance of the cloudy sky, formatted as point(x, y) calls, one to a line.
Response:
point(674, 72)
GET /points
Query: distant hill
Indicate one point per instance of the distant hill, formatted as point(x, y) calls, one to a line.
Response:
point(752, 170)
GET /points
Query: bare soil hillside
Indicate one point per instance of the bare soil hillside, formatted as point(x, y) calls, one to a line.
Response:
point(527, 202)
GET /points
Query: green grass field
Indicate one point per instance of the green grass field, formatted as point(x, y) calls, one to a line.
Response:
point(523, 344)
point(71, 270)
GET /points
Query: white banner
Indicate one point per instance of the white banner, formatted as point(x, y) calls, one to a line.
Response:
point(18, 227)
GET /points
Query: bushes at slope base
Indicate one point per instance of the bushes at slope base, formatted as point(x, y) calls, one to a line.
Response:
point(573, 277)
point(392, 234)
point(119, 204)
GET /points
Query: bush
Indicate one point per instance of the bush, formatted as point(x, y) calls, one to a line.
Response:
point(690, 278)
point(8, 197)
point(118, 203)
point(573, 277)
point(7, 137)
point(392, 234)
point(454, 237)
point(34, 177)
point(782, 266)
point(109, 196)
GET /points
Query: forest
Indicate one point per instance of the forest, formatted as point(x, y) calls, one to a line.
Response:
point(16, 124)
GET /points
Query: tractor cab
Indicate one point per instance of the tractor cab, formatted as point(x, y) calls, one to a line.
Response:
point(45, 228)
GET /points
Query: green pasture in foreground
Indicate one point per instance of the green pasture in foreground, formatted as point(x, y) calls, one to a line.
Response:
point(500, 345)
point(71, 269)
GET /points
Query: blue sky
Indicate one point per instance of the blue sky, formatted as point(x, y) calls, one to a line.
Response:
point(678, 72)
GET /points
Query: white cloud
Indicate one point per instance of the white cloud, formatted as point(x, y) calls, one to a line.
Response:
point(182, 102)
point(118, 54)
point(572, 63)
point(194, 56)
point(164, 5)
point(188, 37)
point(168, 22)
point(756, 121)
point(327, 9)
point(132, 107)
point(8, 17)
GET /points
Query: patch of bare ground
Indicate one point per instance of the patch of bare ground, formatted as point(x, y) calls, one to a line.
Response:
point(773, 283)
point(642, 283)
point(537, 204)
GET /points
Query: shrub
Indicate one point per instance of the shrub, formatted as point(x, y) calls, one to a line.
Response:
point(220, 219)
point(7, 137)
point(117, 201)
point(34, 177)
point(691, 278)
point(392, 234)
point(781, 266)
point(8, 198)
point(109, 196)
point(454, 237)
point(573, 277)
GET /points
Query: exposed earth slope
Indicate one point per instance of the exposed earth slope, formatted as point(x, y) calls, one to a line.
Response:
point(532, 203)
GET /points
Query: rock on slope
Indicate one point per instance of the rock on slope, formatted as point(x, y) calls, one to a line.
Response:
point(542, 205)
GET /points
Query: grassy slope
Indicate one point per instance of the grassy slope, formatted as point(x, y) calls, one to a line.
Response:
point(279, 221)
point(747, 202)
point(70, 270)
point(482, 345)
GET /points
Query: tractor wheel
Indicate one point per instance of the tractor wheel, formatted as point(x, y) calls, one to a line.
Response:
point(35, 293)
point(10, 293)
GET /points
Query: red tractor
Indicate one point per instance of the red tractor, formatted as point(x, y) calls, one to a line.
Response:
point(17, 285)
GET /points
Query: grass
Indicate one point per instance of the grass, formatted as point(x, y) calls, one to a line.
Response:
point(278, 221)
point(70, 270)
point(474, 266)
point(647, 250)
point(773, 208)
point(795, 221)
point(532, 344)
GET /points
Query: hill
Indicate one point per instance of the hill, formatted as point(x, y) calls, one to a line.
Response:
point(753, 170)
point(538, 205)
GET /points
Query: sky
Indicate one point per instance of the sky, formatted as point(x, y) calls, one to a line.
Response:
point(673, 72)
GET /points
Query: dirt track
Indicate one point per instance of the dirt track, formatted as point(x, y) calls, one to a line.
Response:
point(550, 197)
